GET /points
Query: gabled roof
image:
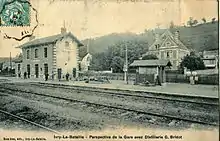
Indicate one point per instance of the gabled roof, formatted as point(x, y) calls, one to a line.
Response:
point(168, 34)
point(150, 63)
point(49, 40)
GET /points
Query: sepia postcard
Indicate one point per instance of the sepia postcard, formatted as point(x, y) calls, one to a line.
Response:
point(109, 70)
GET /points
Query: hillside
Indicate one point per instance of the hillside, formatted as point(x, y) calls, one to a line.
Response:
point(200, 37)
point(3, 59)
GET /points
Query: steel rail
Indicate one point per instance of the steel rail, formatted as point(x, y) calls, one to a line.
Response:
point(120, 108)
point(129, 95)
point(28, 121)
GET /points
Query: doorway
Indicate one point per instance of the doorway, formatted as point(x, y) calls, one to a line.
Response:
point(36, 70)
point(59, 71)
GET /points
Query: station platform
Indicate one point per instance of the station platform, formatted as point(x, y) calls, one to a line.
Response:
point(169, 88)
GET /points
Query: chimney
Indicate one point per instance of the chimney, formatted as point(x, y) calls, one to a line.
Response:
point(63, 30)
point(176, 36)
point(31, 38)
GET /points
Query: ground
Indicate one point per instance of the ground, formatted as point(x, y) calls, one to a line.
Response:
point(170, 88)
point(28, 100)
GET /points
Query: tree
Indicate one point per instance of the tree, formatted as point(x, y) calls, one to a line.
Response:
point(195, 22)
point(192, 62)
point(117, 64)
point(149, 57)
point(192, 22)
point(204, 20)
point(115, 55)
point(213, 20)
point(172, 25)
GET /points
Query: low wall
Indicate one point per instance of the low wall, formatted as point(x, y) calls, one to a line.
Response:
point(202, 79)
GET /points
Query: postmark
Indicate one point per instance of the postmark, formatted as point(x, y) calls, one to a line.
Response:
point(14, 13)
point(18, 19)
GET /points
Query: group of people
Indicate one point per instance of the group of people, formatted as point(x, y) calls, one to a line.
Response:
point(46, 76)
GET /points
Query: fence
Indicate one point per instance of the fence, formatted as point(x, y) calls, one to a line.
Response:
point(209, 79)
point(202, 79)
point(172, 78)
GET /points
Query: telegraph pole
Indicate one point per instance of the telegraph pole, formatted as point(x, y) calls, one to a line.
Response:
point(126, 65)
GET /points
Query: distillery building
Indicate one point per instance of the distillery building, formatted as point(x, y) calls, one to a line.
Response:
point(54, 56)
point(168, 46)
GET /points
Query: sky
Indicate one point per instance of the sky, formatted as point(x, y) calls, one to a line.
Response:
point(95, 18)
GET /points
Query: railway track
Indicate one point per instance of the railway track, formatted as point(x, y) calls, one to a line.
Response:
point(28, 121)
point(139, 94)
point(100, 106)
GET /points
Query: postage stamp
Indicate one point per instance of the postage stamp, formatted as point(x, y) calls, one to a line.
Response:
point(14, 13)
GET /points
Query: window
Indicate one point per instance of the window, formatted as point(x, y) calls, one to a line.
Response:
point(19, 67)
point(157, 46)
point(45, 52)
point(212, 61)
point(88, 59)
point(36, 70)
point(168, 54)
point(28, 70)
point(45, 68)
point(168, 44)
point(36, 53)
point(67, 44)
point(28, 54)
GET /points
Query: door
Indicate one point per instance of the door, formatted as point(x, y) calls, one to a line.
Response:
point(45, 69)
point(28, 70)
point(59, 71)
point(74, 72)
point(36, 70)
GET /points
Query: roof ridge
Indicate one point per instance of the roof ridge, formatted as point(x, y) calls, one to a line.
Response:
point(48, 39)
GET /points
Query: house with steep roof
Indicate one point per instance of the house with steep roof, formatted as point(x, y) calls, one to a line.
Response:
point(211, 58)
point(85, 63)
point(168, 47)
point(55, 56)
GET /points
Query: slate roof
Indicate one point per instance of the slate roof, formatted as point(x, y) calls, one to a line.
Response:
point(49, 40)
point(171, 36)
point(150, 63)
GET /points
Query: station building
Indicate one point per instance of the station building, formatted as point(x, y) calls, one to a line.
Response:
point(55, 55)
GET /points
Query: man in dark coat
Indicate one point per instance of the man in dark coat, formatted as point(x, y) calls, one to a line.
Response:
point(46, 76)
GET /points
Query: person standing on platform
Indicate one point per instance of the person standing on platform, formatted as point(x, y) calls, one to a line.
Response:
point(46, 76)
